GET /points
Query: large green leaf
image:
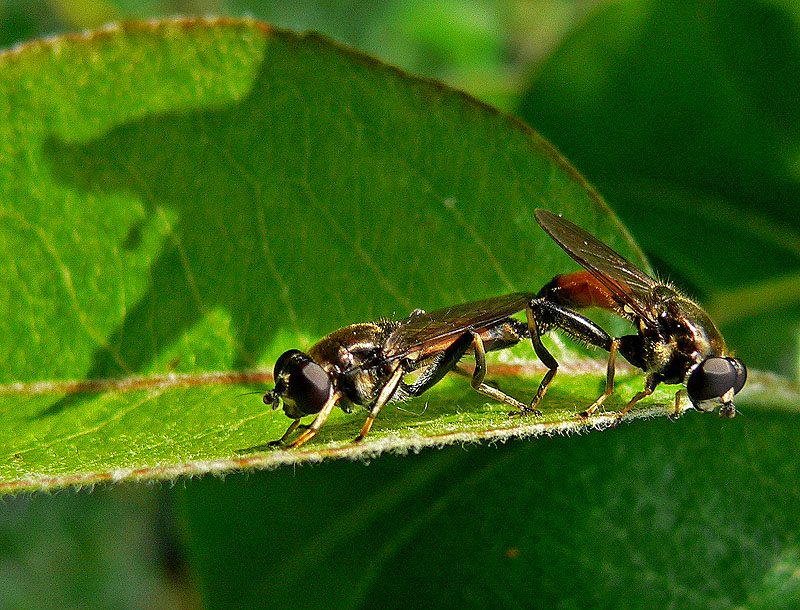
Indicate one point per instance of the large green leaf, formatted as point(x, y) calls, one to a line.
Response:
point(693, 514)
point(182, 201)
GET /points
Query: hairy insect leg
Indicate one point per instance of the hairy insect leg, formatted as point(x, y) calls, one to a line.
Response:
point(448, 360)
point(386, 393)
point(479, 375)
point(441, 365)
point(610, 371)
point(544, 315)
point(318, 421)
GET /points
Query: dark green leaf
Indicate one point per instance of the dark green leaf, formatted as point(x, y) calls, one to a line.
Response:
point(652, 516)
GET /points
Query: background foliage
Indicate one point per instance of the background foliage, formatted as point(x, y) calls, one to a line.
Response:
point(685, 120)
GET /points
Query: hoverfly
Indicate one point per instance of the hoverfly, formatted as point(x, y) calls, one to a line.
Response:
point(675, 340)
point(365, 364)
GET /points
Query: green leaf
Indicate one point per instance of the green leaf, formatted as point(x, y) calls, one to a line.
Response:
point(245, 191)
point(182, 201)
point(693, 514)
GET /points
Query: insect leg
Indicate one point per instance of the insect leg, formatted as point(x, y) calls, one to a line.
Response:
point(678, 395)
point(649, 387)
point(544, 315)
point(318, 420)
point(480, 374)
point(545, 356)
point(441, 365)
point(610, 370)
point(292, 427)
point(383, 398)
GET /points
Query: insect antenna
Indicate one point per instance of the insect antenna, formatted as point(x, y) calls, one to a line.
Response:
point(249, 393)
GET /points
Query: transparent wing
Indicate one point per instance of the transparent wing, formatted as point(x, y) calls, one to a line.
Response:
point(628, 284)
point(429, 333)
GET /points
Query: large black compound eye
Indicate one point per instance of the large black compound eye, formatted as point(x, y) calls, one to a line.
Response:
point(302, 382)
point(309, 387)
point(715, 376)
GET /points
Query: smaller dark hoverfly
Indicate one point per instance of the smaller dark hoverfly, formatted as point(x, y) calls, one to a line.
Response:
point(364, 364)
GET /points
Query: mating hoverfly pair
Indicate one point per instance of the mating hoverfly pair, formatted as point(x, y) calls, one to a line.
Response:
point(365, 364)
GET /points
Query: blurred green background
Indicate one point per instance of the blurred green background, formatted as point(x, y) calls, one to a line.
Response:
point(683, 114)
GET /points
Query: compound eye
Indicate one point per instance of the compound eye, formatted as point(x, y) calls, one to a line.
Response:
point(741, 374)
point(715, 376)
point(309, 387)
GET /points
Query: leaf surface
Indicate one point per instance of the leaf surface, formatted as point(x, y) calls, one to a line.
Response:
point(182, 201)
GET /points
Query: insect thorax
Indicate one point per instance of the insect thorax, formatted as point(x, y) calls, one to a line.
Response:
point(685, 336)
point(355, 355)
